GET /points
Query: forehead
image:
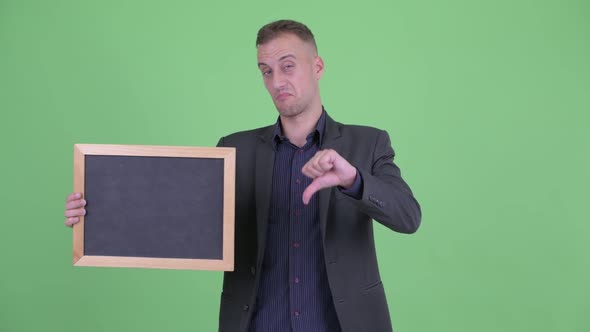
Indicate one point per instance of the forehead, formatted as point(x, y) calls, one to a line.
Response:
point(282, 45)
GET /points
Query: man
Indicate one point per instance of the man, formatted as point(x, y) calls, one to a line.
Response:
point(307, 188)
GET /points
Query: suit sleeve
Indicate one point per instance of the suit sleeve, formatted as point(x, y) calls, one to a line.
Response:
point(386, 197)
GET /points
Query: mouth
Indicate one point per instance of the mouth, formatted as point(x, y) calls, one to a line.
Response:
point(282, 96)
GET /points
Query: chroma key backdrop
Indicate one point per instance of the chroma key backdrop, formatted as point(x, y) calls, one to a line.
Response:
point(486, 103)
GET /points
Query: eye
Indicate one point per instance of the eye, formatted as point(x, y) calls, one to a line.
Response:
point(288, 66)
point(266, 72)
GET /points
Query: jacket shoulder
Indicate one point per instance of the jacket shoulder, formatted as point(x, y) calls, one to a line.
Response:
point(245, 136)
point(360, 131)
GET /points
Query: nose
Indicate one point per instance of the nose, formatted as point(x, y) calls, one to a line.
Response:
point(279, 81)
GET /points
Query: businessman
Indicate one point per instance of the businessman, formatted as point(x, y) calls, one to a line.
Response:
point(307, 191)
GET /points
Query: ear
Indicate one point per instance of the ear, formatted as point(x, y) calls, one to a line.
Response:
point(318, 67)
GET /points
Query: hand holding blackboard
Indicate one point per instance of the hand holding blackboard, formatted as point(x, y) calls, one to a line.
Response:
point(74, 209)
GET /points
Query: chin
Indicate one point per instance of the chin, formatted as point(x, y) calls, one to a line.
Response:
point(289, 110)
point(289, 113)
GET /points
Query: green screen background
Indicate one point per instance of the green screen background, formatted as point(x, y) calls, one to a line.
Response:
point(486, 103)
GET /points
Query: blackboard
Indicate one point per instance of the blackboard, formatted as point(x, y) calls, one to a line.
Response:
point(155, 206)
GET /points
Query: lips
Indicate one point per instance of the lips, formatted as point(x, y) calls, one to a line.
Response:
point(283, 96)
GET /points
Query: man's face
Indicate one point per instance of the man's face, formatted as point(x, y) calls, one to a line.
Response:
point(291, 71)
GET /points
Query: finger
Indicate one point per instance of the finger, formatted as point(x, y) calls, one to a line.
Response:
point(71, 221)
point(319, 155)
point(306, 170)
point(312, 172)
point(75, 204)
point(325, 163)
point(73, 196)
point(313, 160)
point(319, 164)
point(314, 168)
point(313, 187)
point(75, 213)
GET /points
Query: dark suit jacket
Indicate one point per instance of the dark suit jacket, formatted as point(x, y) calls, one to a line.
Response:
point(345, 223)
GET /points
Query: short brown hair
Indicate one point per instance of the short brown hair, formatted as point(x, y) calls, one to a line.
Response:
point(277, 28)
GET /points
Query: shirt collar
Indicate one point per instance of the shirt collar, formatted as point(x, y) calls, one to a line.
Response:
point(318, 132)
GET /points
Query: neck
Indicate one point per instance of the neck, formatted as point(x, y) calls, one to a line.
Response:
point(298, 127)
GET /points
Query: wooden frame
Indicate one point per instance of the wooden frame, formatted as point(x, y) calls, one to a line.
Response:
point(227, 154)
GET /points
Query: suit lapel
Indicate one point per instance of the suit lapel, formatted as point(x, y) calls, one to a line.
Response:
point(263, 184)
point(331, 141)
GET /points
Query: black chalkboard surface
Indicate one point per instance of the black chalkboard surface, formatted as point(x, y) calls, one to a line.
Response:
point(155, 206)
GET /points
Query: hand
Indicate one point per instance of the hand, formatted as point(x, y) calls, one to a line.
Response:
point(327, 169)
point(74, 209)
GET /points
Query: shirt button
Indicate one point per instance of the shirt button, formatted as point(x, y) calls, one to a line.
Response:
point(296, 280)
point(246, 307)
point(296, 313)
point(300, 151)
point(298, 181)
point(252, 270)
point(296, 244)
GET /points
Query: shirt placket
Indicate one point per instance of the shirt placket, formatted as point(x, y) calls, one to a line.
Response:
point(296, 237)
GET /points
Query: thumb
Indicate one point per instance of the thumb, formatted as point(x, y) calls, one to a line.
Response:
point(313, 187)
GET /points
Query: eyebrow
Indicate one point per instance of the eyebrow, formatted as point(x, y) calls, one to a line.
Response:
point(280, 59)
